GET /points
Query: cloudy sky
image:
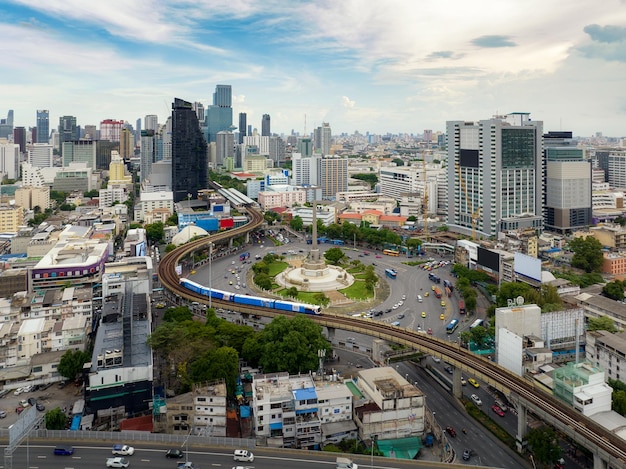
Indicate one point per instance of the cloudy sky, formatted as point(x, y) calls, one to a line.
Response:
point(367, 65)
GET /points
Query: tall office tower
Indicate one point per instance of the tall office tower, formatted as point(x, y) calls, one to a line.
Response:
point(322, 139)
point(265, 126)
point(79, 151)
point(103, 153)
point(495, 174)
point(223, 96)
point(148, 153)
point(305, 147)
point(333, 176)
point(190, 164)
point(427, 136)
point(127, 143)
point(616, 168)
point(68, 131)
point(10, 118)
point(40, 155)
point(567, 184)
point(198, 108)
point(6, 126)
point(164, 151)
point(243, 127)
point(9, 161)
point(218, 116)
point(138, 130)
point(90, 133)
point(151, 122)
point(249, 132)
point(110, 129)
point(225, 146)
point(43, 126)
point(19, 138)
point(277, 150)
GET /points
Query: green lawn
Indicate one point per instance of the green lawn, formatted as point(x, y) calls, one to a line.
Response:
point(359, 276)
point(277, 267)
point(357, 291)
point(354, 270)
point(303, 297)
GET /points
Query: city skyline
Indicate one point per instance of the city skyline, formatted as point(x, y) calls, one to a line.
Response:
point(394, 66)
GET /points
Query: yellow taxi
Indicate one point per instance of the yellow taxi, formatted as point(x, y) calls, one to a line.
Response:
point(427, 294)
point(442, 316)
point(473, 382)
point(423, 314)
point(432, 287)
point(443, 304)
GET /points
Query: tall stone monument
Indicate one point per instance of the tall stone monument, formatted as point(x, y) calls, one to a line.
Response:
point(314, 262)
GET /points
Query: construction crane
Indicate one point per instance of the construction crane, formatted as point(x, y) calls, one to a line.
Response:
point(425, 200)
point(474, 213)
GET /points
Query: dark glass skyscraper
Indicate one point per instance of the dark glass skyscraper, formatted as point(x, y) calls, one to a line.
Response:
point(190, 165)
point(43, 126)
point(243, 126)
point(265, 126)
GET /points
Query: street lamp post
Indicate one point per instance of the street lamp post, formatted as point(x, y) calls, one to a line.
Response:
point(210, 273)
point(372, 455)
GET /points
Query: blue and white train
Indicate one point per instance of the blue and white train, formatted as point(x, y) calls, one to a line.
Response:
point(250, 300)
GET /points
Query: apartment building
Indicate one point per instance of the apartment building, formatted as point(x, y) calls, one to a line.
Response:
point(608, 352)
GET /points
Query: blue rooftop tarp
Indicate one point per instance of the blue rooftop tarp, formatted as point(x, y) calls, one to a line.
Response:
point(305, 394)
point(244, 410)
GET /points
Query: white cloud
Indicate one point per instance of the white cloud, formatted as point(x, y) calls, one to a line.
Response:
point(347, 102)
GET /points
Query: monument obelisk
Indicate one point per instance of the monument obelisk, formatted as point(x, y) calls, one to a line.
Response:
point(314, 260)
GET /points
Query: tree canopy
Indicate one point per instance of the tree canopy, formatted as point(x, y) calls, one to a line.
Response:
point(544, 444)
point(71, 363)
point(287, 345)
point(55, 419)
point(296, 223)
point(370, 178)
point(614, 290)
point(587, 253)
point(603, 323)
point(333, 255)
point(155, 232)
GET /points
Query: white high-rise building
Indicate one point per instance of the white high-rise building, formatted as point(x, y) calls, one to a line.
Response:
point(40, 155)
point(32, 175)
point(151, 122)
point(225, 146)
point(495, 175)
point(10, 160)
point(305, 170)
point(322, 139)
point(261, 142)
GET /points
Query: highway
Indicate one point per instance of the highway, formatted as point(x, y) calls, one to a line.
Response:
point(598, 439)
point(38, 455)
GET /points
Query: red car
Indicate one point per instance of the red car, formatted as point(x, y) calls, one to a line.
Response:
point(19, 410)
point(498, 410)
point(451, 432)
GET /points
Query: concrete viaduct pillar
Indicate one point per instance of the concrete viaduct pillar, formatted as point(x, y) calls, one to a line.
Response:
point(522, 422)
point(598, 462)
point(457, 389)
point(331, 333)
point(248, 237)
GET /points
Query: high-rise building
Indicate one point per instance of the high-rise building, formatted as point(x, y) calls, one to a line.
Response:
point(127, 144)
point(68, 131)
point(103, 152)
point(495, 174)
point(243, 126)
point(218, 116)
point(304, 170)
point(322, 139)
point(190, 164)
point(265, 126)
point(277, 150)
point(567, 184)
point(151, 122)
point(10, 118)
point(305, 147)
point(80, 151)
point(223, 96)
point(91, 132)
point(333, 176)
point(43, 126)
point(40, 155)
point(110, 129)
point(138, 130)
point(9, 160)
point(19, 138)
point(225, 146)
point(148, 153)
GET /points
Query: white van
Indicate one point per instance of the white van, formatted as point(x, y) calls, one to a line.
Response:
point(419, 298)
point(243, 455)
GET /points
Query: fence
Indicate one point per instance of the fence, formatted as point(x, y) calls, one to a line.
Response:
point(135, 437)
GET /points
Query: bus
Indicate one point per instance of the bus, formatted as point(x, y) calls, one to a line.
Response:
point(244, 256)
point(450, 328)
point(391, 273)
point(461, 307)
point(475, 324)
point(391, 252)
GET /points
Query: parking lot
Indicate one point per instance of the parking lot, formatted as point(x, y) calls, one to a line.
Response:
point(49, 398)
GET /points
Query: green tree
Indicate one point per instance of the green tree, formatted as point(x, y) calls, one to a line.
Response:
point(603, 323)
point(398, 161)
point(619, 402)
point(263, 281)
point(67, 207)
point(287, 345)
point(412, 218)
point(544, 444)
point(221, 363)
point(291, 292)
point(261, 267)
point(229, 334)
point(321, 299)
point(172, 220)
point(334, 255)
point(71, 363)
point(370, 178)
point(334, 231)
point(177, 314)
point(296, 223)
point(413, 243)
point(511, 290)
point(587, 253)
point(155, 232)
point(614, 290)
point(170, 247)
point(55, 419)
point(271, 217)
point(91, 194)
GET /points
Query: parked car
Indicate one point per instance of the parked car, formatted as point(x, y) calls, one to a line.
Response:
point(467, 454)
point(497, 410)
point(4, 392)
point(123, 450)
point(3, 414)
point(32, 401)
point(174, 453)
point(477, 400)
point(63, 450)
point(40, 407)
point(117, 462)
point(24, 403)
point(450, 431)
point(395, 323)
point(19, 410)
point(18, 391)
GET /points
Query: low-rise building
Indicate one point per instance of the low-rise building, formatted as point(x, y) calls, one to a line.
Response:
point(614, 263)
point(149, 201)
point(281, 198)
point(608, 352)
point(210, 402)
point(335, 410)
point(583, 386)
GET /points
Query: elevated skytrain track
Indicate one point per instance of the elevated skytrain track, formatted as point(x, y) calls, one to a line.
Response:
point(608, 446)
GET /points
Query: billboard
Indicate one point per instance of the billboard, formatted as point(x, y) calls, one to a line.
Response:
point(489, 259)
point(527, 266)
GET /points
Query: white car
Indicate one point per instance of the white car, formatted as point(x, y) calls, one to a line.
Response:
point(396, 306)
point(400, 303)
point(243, 455)
point(476, 399)
point(123, 450)
point(117, 462)
point(18, 391)
point(403, 297)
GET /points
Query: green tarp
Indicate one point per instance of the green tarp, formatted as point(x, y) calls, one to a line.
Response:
point(401, 448)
